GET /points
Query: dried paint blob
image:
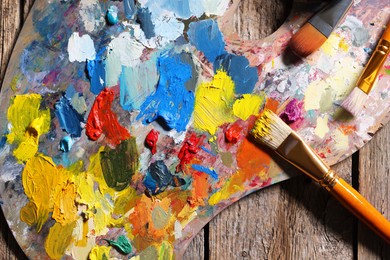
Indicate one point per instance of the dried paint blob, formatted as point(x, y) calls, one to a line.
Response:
point(151, 140)
point(292, 112)
point(112, 15)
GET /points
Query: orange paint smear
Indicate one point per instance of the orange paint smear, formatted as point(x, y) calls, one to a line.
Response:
point(347, 129)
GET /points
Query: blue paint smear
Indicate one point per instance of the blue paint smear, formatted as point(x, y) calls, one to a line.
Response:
point(70, 92)
point(158, 177)
point(180, 8)
point(97, 75)
point(66, 144)
point(144, 18)
point(208, 151)
point(206, 37)
point(3, 140)
point(237, 67)
point(130, 8)
point(68, 117)
point(171, 104)
point(138, 82)
point(206, 170)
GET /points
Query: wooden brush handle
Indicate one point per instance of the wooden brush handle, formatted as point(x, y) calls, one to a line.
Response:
point(361, 208)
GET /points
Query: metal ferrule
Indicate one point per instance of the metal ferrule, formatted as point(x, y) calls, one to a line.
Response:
point(370, 72)
point(298, 153)
point(326, 20)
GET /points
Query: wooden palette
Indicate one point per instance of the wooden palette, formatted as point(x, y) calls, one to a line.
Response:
point(162, 220)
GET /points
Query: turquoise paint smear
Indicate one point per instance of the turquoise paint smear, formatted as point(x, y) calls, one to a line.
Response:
point(237, 67)
point(206, 37)
point(206, 170)
point(136, 83)
point(171, 104)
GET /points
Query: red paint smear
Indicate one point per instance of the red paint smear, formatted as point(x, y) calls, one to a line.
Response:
point(102, 120)
point(233, 133)
point(188, 151)
point(151, 140)
point(251, 159)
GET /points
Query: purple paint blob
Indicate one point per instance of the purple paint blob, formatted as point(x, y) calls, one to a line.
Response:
point(293, 112)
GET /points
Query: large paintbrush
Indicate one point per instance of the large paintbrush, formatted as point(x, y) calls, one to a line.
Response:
point(356, 99)
point(318, 28)
point(274, 133)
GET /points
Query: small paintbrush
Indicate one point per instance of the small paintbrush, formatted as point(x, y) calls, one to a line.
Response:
point(356, 99)
point(270, 130)
point(318, 28)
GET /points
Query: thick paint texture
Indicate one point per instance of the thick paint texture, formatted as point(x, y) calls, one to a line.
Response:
point(59, 238)
point(129, 8)
point(68, 117)
point(248, 105)
point(122, 245)
point(206, 37)
point(28, 123)
point(189, 149)
point(102, 120)
point(137, 83)
point(214, 101)
point(292, 112)
point(171, 104)
point(112, 15)
point(120, 164)
point(96, 73)
point(237, 67)
point(151, 140)
point(159, 177)
point(100, 253)
point(81, 48)
point(49, 189)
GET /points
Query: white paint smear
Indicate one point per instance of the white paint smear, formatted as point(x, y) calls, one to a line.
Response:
point(81, 48)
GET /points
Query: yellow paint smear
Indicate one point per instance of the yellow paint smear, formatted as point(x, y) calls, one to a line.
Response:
point(247, 105)
point(39, 178)
point(28, 124)
point(65, 210)
point(99, 253)
point(322, 126)
point(59, 239)
point(343, 80)
point(213, 103)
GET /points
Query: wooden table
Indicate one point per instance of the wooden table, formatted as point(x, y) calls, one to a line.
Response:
point(291, 220)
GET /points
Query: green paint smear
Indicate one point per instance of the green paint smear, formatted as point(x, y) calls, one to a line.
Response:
point(227, 159)
point(122, 245)
point(120, 164)
point(326, 100)
point(387, 71)
point(165, 251)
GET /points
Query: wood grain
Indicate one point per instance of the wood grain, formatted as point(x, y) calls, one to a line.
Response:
point(374, 184)
point(293, 220)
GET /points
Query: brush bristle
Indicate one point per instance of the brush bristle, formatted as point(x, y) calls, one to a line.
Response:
point(307, 40)
point(355, 101)
point(270, 129)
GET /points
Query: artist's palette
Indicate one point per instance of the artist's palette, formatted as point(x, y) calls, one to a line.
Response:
point(123, 127)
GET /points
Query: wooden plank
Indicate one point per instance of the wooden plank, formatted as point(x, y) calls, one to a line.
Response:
point(294, 220)
point(10, 25)
point(374, 183)
point(195, 249)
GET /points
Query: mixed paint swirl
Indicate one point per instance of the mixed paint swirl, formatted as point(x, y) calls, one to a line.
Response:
point(124, 124)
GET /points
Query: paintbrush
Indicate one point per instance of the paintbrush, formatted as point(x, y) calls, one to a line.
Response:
point(318, 28)
point(356, 99)
point(270, 130)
